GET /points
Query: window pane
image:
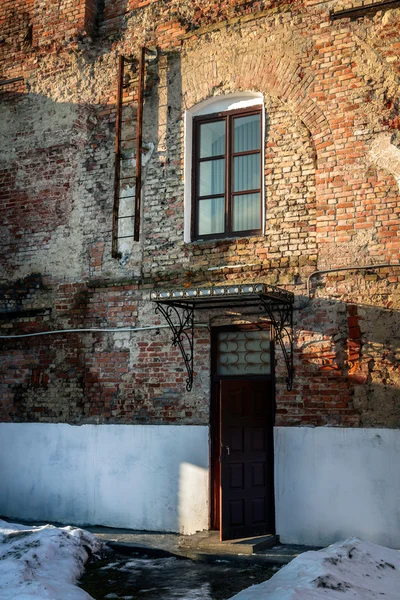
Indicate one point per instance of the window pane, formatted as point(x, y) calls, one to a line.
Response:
point(211, 216)
point(246, 133)
point(246, 172)
point(246, 212)
point(212, 139)
point(244, 352)
point(212, 177)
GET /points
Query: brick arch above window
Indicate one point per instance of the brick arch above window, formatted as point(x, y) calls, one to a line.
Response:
point(279, 76)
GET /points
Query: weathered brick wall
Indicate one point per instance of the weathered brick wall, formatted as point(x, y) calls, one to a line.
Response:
point(331, 191)
point(15, 17)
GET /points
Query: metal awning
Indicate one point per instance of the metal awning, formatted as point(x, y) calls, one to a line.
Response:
point(178, 306)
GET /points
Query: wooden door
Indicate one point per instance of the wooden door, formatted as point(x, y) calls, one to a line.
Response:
point(246, 458)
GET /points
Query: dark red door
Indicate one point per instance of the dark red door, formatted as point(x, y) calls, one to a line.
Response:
point(246, 429)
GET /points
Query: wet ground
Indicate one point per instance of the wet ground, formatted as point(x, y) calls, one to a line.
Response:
point(139, 577)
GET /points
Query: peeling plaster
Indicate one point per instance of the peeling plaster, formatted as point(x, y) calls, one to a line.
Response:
point(385, 154)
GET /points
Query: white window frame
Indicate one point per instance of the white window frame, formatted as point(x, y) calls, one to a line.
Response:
point(224, 103)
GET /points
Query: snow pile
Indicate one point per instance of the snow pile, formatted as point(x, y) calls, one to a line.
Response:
point(43, 562)
point(347, 570)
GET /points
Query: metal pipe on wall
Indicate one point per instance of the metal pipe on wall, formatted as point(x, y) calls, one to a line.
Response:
point(139, 130)
point(117, 168)
point(338, 270)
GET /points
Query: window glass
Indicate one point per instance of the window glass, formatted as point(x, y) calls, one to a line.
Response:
point(246, 172)
point(246, 212)
point(212, 177)
point(227, 169)
point(244, 353)
point(211, 216)
point(246, 133)
point(212, 139)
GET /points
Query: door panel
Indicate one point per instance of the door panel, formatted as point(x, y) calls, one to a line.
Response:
point(246, 459)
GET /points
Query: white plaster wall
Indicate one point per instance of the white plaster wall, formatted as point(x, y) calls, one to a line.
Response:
point(333, 483)
point(136, 476)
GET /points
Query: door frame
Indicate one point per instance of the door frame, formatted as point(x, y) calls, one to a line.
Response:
point(214, 479)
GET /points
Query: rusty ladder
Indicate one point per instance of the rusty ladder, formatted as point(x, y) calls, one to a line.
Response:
point(120, 140)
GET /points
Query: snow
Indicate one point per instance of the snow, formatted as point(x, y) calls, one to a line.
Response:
point(43, 562)
point(169, 579)
point(351, 569)
point(46, 562)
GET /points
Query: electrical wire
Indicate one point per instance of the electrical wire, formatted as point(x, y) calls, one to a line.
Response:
point(92, 330)
point(154, 327)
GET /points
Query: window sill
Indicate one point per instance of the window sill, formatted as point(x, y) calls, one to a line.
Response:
point(227, 240)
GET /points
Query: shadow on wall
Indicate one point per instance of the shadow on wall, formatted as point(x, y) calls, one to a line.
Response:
point(334, 483)
point(59, 174)
point(151, 478)
point(112, 13)
point(59, 217)
point(47, 166)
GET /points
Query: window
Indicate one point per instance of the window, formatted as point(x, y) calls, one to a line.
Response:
point(227, 174)
point(243, 352)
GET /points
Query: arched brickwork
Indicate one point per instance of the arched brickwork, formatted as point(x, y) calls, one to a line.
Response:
point(278, 76)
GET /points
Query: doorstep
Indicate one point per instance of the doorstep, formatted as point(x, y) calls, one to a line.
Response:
point(202, 546)
point(208, 541)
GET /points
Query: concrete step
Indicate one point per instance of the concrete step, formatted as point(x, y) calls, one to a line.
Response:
point(204, 546)
point(209, 542)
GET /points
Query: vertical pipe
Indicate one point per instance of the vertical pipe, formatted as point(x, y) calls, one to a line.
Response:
point(117, 167)
point(138, 187)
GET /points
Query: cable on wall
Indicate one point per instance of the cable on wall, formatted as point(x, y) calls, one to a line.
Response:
point(91, 330)
point(337, 270)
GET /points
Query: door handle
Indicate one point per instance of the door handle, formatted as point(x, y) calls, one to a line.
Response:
point(228, 450)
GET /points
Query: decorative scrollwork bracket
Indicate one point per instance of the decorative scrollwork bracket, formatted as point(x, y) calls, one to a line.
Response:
point(281, 315)
point(183, 333)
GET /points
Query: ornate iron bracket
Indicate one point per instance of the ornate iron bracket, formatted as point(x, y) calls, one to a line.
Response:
point(281, 316)
point(178, 308)
point(183, 333)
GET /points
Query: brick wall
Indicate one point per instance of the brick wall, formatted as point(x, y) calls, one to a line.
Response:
point(331, 200)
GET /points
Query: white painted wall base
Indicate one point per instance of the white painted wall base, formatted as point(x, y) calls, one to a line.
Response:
point(135, 476)
point(330, 483)
point(333, 483)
